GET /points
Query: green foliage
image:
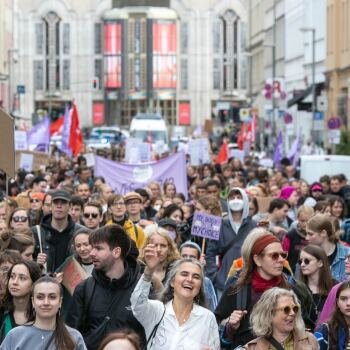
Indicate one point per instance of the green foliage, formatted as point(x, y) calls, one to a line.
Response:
point(344, 146)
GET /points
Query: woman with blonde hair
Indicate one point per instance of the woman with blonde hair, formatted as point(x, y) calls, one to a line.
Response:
point(277, 322)
point(168, 254)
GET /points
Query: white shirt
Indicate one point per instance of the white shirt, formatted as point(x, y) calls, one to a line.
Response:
point(198, 331)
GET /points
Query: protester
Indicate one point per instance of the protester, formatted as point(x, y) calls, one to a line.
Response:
point(338, 208)
point(262, 269)
point(82, 249)
point(169, 190)
point(76, 206)
point(47, 202)
point(36, 204)
point(179, 320)
point(47, 328)
point(319, 231)
point(100, 303)
point(83, 191)
point(234, 229)
point(7, 259)
point(122, 340)
point(167, 253)
point(53, 236)
point(118, 215)
point(133, 203)
point(334, 334)
point(22, 242)
point(18, 219)
point(277, 322)
point(289, 193)
point(16, 300)
point(316, 274)
point(92, 215)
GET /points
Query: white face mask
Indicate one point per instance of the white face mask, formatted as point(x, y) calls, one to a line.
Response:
point(156, 207)
point(236, 204)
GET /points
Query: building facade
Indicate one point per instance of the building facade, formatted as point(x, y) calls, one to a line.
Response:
point(338, 60)
point(184, 59)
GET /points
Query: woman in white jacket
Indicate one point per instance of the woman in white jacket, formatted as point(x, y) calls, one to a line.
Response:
point(179, 321)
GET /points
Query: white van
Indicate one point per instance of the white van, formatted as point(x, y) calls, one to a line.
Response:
point(149, 126)
point(313, 167)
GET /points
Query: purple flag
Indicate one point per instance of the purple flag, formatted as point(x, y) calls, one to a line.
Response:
point(294, 152)
point(66, 131)
point(39, 135)
point(125, 178)
point(278, 153)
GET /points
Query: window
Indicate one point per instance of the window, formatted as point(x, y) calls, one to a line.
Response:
point(216, 73)
point(98, 71)
point(216, 36)
point(184, 74)
point(98, 38)
point(184, 38)
point(39, 75)
point(39, 38)
point(66, 38)
point(66, 75)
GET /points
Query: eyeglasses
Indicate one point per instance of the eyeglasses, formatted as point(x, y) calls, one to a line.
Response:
point(119, 204)
point(19, 218)
point(89, 215)
point(306, 261)
point(275, 255)
point(288, 308)
point(35, 200)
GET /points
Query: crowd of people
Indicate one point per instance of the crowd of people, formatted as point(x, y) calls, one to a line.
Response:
point(277, 278)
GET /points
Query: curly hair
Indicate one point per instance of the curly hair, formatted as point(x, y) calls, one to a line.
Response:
point(264, 309)
point(173, 253)
point(210, 203)
point(168, 292)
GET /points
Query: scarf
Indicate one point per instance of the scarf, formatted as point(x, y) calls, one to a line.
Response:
point(260, 284)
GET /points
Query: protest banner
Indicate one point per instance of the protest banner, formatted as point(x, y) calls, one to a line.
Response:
point(206, 226)
point(32, 160)
point(124, 178)
point(20, 140)
point(73, 274)
point(7, 144)
point(199, 151)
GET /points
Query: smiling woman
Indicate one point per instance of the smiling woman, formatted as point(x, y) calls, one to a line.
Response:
point(180, 320)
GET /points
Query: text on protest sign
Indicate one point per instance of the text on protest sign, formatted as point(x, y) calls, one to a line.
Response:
point(206, 226)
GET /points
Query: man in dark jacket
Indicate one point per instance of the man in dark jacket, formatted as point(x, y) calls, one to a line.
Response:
point(101, 303)
point(52, 245)
point(235, 228)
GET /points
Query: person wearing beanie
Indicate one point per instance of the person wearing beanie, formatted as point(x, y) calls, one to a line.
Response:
point(290, 194)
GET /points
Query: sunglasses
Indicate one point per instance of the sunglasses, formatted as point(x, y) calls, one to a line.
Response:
point(19, 218)
point(90, 215)
point(287, 309)
point(35, 200)
point(306, 261)
point(275, 256)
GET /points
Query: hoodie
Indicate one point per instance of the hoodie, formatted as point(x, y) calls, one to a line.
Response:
point(228, 247)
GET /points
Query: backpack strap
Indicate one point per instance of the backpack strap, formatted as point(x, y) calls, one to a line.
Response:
point(154, 331)
point(274, 342)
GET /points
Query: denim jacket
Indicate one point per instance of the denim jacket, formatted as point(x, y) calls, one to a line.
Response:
point(338, 264)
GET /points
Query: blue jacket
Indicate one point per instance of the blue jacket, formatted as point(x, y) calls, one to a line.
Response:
point(321, 335)
point(338, 264)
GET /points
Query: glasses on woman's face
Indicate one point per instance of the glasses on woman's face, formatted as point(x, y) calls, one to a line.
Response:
point(306, 261)
point(118, 204)
point(20, 219)
point(288, 308)
point(275, 255)
point(35, 200)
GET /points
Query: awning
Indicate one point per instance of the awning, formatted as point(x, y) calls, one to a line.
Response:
point(299, 97)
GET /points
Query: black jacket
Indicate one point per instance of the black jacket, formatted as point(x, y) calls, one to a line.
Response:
point(108, 308)
point(57, 245)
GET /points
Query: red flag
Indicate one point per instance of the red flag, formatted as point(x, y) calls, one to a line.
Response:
point(241, 137)
point(223, 153)
point(76, 136)
point(56, 126)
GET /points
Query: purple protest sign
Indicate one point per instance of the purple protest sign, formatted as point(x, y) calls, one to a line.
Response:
point(125, 178)
point(206, 226)
point(39, 135)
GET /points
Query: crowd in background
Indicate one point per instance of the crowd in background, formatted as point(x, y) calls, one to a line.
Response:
point(277, 278)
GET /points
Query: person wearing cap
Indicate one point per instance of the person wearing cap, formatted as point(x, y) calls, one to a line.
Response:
point(191, 250)
point(134, 206)
point(118, 215)
point(263, 263)
point(235, 227)
point(53, 235)
point(316, 190)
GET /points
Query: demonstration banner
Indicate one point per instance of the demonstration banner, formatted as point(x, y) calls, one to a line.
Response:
point(206, 226)
point(125, 178)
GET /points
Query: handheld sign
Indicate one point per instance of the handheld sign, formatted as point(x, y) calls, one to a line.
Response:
point(73, 274)
point(206, 226)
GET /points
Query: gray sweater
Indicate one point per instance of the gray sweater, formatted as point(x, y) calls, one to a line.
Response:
point(30, 338)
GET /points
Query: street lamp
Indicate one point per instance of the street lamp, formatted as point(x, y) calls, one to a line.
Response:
point(313, 30)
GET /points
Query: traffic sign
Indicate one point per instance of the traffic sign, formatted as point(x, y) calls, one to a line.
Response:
point(334, 123)
point(21, 89)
